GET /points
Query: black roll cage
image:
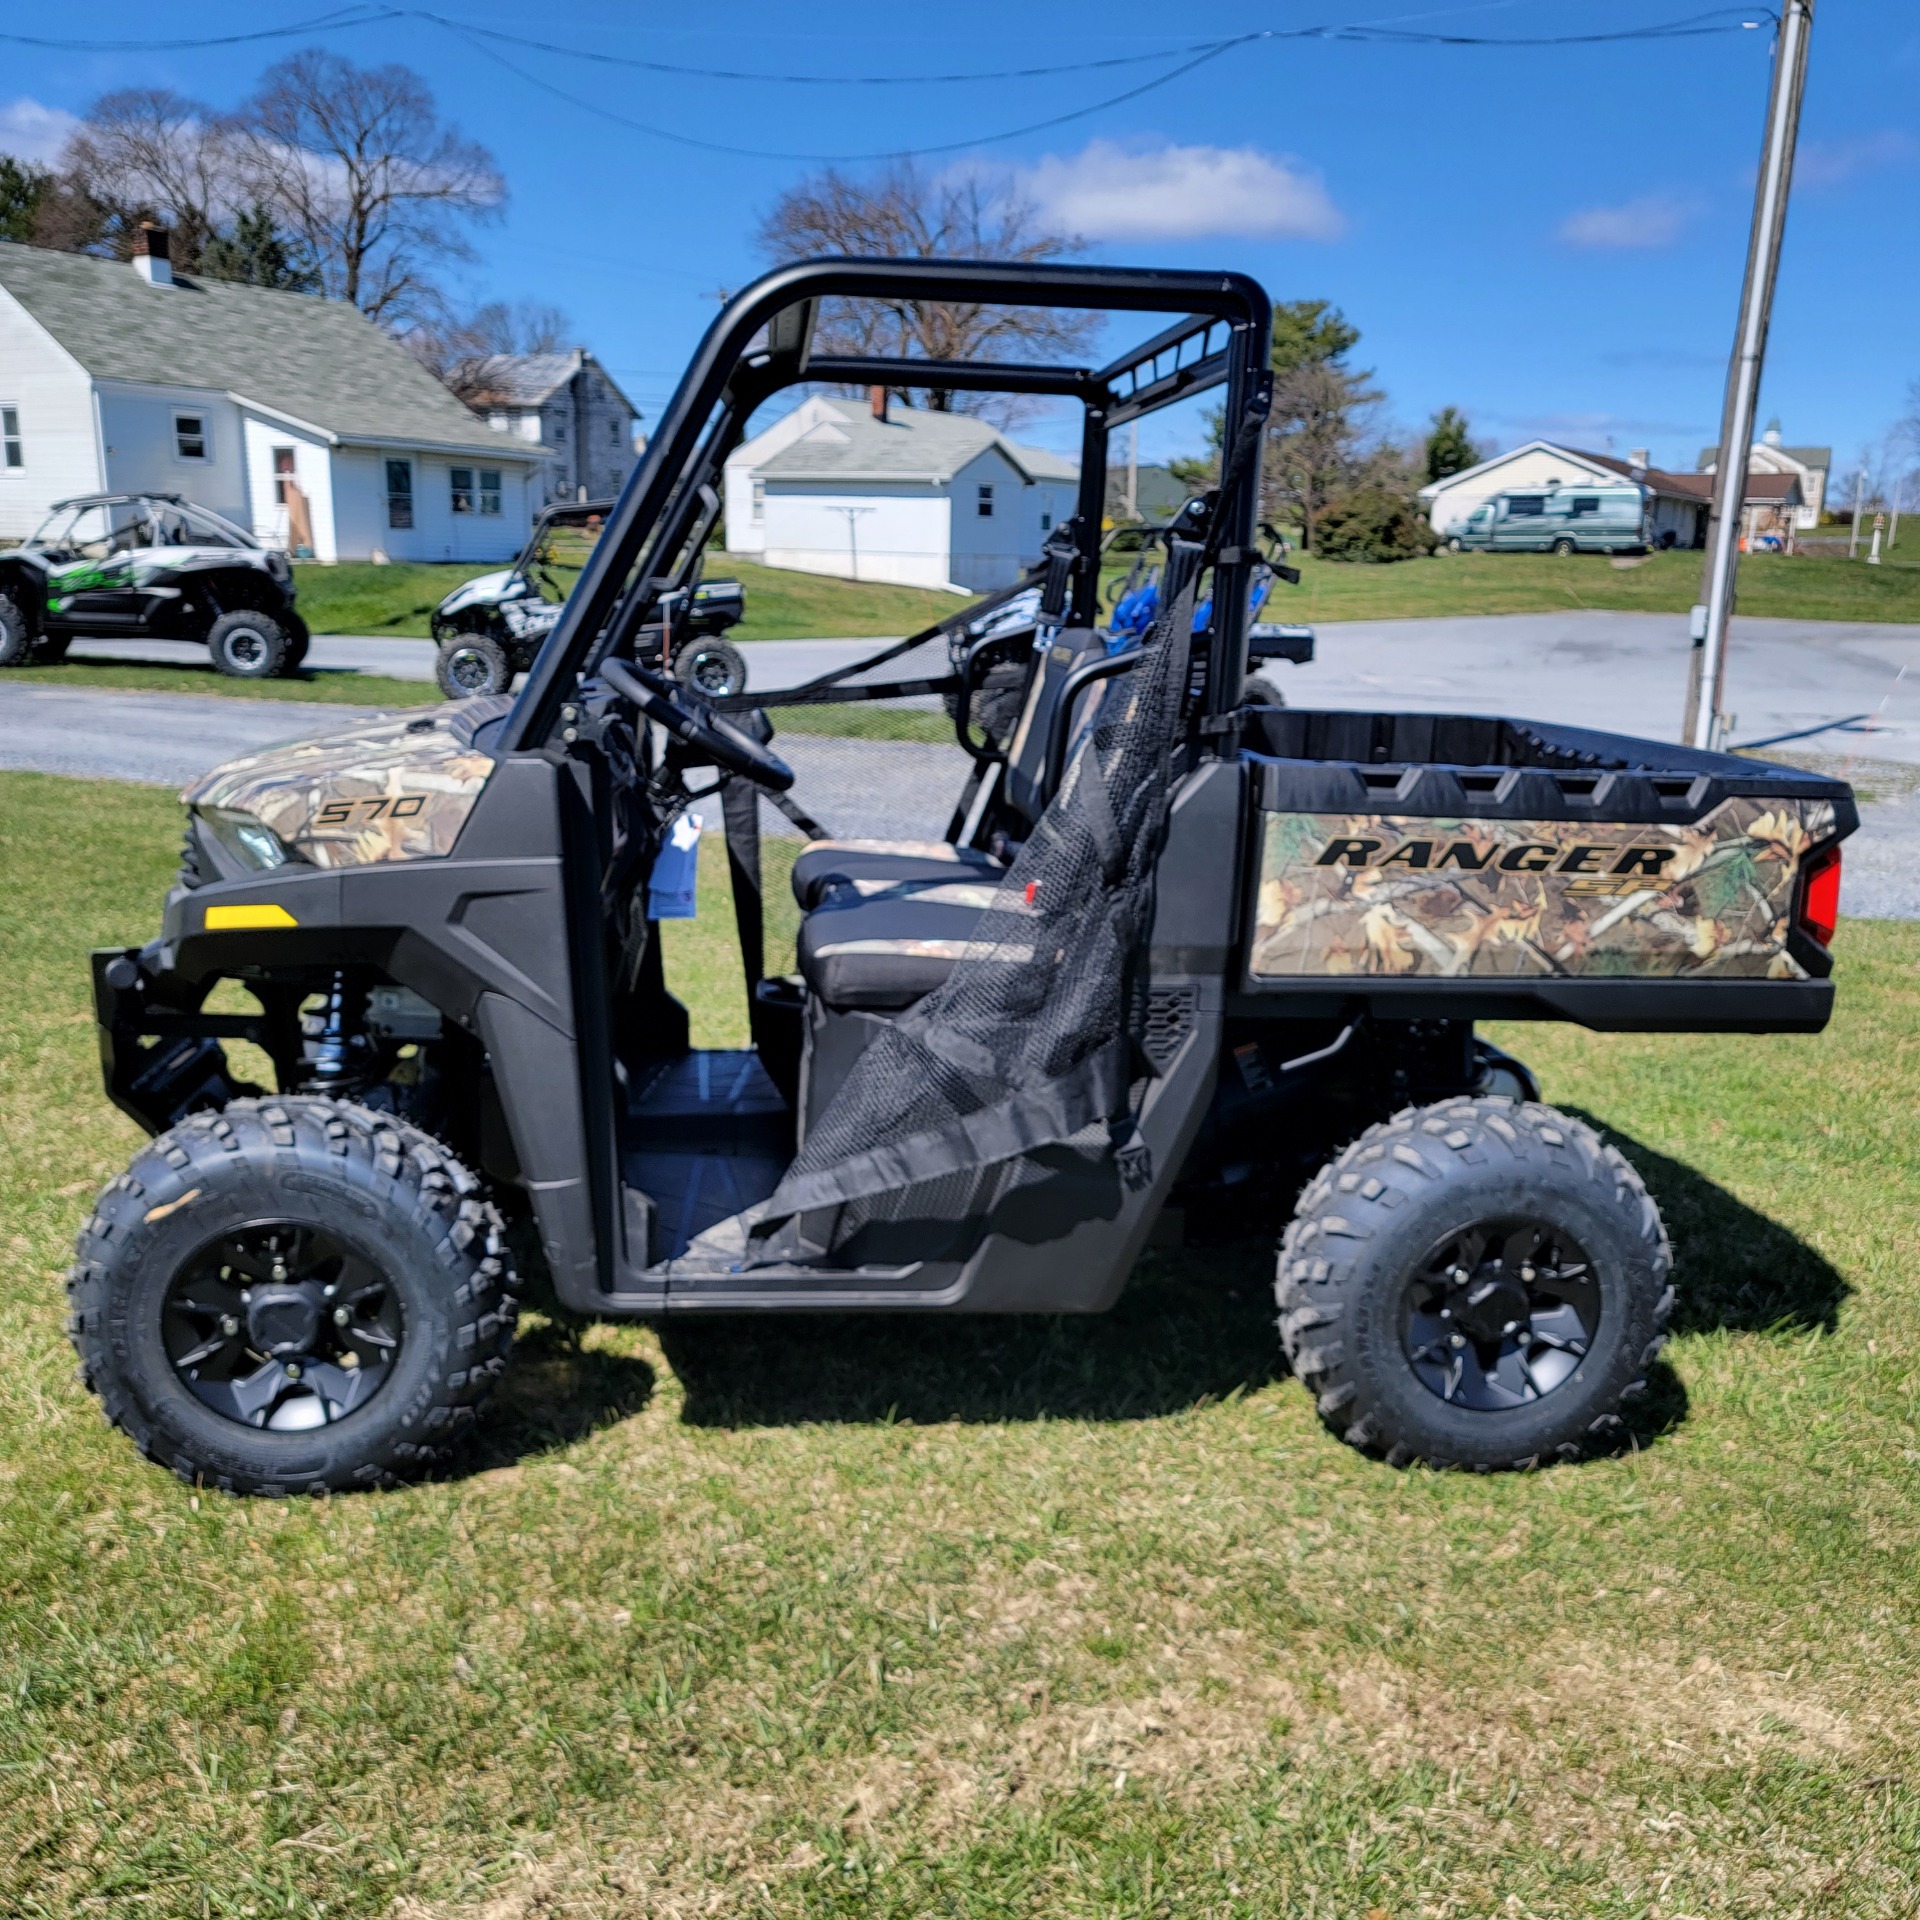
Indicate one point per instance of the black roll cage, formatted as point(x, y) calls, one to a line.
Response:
point(1223, 339)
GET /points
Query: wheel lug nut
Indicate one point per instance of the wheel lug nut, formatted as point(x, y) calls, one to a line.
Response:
point(293, 1372)
point(1510, 1326)
point(229, 1325)
point(341, 1316)
point(1459, 1339)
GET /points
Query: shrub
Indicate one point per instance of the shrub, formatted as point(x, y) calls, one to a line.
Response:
point(1372, 523)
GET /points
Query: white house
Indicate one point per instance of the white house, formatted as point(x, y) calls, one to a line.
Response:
point(1811, 466)
point(869, 491)
point(289, 414)
point(566, 402)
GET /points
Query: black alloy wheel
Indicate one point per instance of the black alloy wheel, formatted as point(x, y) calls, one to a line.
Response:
point(248, 645)
point(1501, 1314)
point(711, 667)
point(1482, 1283)
point(473, 663)
point(16, 637)
point(282, 1326)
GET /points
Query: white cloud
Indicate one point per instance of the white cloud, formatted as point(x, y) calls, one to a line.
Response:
point(30, 131)
point(1654, 220)
point(1113, 192)
point(1826, 163)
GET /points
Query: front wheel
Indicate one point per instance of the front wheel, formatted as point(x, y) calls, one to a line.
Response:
point(292, 1295)
point(711, 667)
point(1481, 1284)
point(248, 645)
point(472, 663)
point(16, 637)
point(1454, 546)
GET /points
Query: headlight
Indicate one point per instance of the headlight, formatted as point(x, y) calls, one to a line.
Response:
point(251, 841)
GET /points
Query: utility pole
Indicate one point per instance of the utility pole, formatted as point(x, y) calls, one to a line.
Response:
point(1859, 500)
point(853, 545)
point(1707, 677)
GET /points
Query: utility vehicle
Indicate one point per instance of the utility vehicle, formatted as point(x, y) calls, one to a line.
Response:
point(152, 565)
point(490, 628)
point(1176, 949)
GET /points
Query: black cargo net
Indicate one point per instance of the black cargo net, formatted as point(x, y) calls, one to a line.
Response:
point(1029, 1041)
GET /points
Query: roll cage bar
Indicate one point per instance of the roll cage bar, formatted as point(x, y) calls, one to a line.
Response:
point(762, 343)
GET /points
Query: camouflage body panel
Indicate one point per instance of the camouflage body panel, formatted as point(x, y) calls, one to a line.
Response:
point(397, 787)
point(1454, 899)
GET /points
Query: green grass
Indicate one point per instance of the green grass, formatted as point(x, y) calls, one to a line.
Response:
point(1063, 1619)
point(1770, 585)
point(196, 676)
point(358, 597)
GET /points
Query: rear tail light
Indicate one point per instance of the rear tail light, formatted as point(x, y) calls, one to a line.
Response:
point(1820, 896)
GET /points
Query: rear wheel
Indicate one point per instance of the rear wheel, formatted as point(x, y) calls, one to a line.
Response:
point(711, 667)
point(1477, 1284)
point(1563, 545)
point(16, 637)
point(292, 1295)
point(248, 645)
point(472, 663)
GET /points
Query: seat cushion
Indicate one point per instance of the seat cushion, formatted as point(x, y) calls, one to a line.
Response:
point(829, 862)
point(883, 951)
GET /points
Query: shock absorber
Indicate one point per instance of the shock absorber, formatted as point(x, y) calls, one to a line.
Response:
point(333, 1041)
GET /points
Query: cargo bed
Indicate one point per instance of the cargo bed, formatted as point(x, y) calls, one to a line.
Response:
point(1455, 866)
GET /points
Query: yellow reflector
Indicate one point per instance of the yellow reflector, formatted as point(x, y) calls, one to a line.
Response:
point(235, 919)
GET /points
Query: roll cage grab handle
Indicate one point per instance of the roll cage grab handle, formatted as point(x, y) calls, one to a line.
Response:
point(725, 383)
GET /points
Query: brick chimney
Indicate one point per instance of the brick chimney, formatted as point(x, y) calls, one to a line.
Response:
point(877, 400)
point(152, 254)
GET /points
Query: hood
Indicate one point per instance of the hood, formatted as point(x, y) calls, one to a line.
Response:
point(396, 787)
point(484, 590)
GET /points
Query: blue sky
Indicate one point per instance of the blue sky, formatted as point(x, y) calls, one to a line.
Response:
point(1549, 239)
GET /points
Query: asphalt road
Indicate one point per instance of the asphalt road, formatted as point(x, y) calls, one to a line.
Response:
point(1619, 671)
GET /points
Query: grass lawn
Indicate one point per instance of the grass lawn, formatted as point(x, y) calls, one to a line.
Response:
point(1771, 585)
point(358, 597)
point(1042, 1618)
point(196, 676)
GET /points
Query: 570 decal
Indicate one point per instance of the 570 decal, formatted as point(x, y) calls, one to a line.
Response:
point(363, 813)
point(1590, 868)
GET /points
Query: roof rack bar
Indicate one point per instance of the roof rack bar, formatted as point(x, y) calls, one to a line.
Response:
point(1170, 387)
point(1150, 350)
point(986, 376)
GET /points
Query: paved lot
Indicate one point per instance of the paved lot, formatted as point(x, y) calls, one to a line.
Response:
point(1620, 671)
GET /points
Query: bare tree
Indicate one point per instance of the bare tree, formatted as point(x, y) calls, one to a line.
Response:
point(457, 352)
point(903, 214)
point(147, 152)
point(361, 167)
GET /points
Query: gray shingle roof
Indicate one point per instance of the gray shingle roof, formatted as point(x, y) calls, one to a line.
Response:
point(913, 443)
point(520, 379)
point(322, 361)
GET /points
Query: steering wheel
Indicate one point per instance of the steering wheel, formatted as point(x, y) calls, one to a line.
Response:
point(717, 740)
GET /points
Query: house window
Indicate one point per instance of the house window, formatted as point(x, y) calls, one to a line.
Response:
point(1046, 522)
point(10, 454)
point(282, 473)
point(613, 433)
point(489, 491)
point(462, 489)
point(399, 493)
point(190, 435)
point(759, 501)
point(985, 507)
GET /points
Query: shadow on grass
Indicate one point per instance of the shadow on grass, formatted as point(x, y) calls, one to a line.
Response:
point(556, 1392)
point(1733, 1266)
point(1190, 1328)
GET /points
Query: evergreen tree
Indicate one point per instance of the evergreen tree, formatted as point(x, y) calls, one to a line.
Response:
point(1449, 448)
point(23, 190)
point(1310, 333)
point(255, 252)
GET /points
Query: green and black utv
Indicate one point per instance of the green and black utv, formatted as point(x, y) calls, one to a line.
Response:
point(1176, 943)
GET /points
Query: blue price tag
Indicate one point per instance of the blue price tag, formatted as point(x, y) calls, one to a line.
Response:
point(673, 891)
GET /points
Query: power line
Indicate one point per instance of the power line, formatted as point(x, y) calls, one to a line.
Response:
point(358, 16)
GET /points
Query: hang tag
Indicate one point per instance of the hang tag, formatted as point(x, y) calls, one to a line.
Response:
point(673, 891)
